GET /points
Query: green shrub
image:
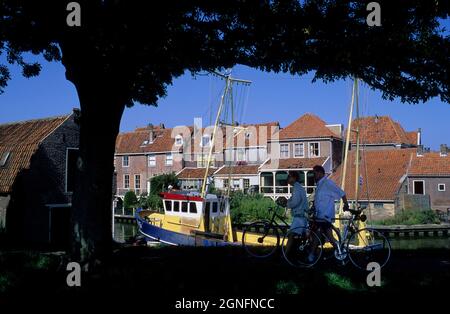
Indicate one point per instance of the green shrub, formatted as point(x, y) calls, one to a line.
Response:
point(143, 202)
point(246, 208)
point(160, 183)
point(154, 202)
point(130, 200)
point(411, 217)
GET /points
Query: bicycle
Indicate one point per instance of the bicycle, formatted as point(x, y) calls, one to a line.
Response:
point(261, 239)
point(360, 246)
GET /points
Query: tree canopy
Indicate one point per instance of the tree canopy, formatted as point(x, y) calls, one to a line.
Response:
point(142, 46)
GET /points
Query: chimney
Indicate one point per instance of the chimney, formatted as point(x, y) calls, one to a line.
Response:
point(420, 150)
point(419, 137)
point(444, 150)
point(151, 136)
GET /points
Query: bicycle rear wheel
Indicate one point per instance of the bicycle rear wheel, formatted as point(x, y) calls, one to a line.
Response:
point(368, 245)
point(301, 247)
point(261, 239)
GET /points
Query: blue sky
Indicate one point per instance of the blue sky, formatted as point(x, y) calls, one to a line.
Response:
point(272, 97)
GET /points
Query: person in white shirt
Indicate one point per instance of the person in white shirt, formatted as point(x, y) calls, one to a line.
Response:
point(327, 192)
point(298, 203)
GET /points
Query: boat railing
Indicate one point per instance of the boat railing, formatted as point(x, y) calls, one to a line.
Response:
point(155, 221)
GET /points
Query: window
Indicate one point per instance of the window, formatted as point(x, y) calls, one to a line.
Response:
point(184, 207)
point(206, 139)
point(419, 187)
point(137, 181)
point(314, 150)
point(169, 159)
point(378, 205)
point(299, 150)
point(151, 160)
point(284, 150)
point(441, 187)
point(72, 155)
point(246, 183)
point(126, 181)
point(178, 140)
point(4, 159)
point(203, 160)
point(241, 154)
point(236, 183)
point(125, 161)
point(225, 183)
point(214, 207)
point(168, 205)
point(176, 206)
point(193, 208)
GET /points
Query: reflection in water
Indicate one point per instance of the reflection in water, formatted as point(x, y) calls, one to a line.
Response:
point(124, 231)
point(420, 243)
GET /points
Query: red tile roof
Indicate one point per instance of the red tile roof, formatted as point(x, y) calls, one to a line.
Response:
point(385, 168)
point(293, 163)
point(238, 170)
point(430, 164)
point(194, 173)
point(382, 130)
point(22, 139)
point(133, 142)
point(307, 126)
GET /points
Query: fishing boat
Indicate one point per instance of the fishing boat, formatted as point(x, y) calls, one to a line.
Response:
point(196, 218)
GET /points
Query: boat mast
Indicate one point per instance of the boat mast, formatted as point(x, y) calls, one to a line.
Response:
point(347, 139)
point(212, 141)
point(227, 92)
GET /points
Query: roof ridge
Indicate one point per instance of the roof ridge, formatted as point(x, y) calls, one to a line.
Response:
point(36, 120)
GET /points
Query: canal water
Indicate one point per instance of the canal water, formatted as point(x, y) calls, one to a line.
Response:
point(126, 231)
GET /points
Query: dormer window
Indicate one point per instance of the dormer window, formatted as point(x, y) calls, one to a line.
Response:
point(178, 140)
point(206, 140)
point(4, 158)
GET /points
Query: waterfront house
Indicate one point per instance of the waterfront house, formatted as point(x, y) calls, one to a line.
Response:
point(306, 142)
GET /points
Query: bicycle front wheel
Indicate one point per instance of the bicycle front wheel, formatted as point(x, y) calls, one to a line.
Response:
point(260, 239)
point(301, 247)
point(367, 246)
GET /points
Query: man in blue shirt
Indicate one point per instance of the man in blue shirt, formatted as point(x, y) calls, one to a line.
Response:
point(327, 192)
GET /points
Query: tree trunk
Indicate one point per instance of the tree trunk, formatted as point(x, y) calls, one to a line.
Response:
point(101, 112)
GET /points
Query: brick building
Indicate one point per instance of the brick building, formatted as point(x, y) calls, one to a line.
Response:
point(37, 163)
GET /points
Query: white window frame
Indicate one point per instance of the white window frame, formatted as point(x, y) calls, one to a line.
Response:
point(67, 167)
point(310, 151)
point(303, 150)
point(281, 152)
point(123, 161)
point(169, 161)
point(124, 181)
point(178, 138)
point(151, 160)
point(238, 157)
point(238, 185)
point(439, 187)
point(202, 144)
point(414, 187)
point(136, 181)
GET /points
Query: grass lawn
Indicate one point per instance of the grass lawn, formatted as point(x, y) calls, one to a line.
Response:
point(166, 273)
